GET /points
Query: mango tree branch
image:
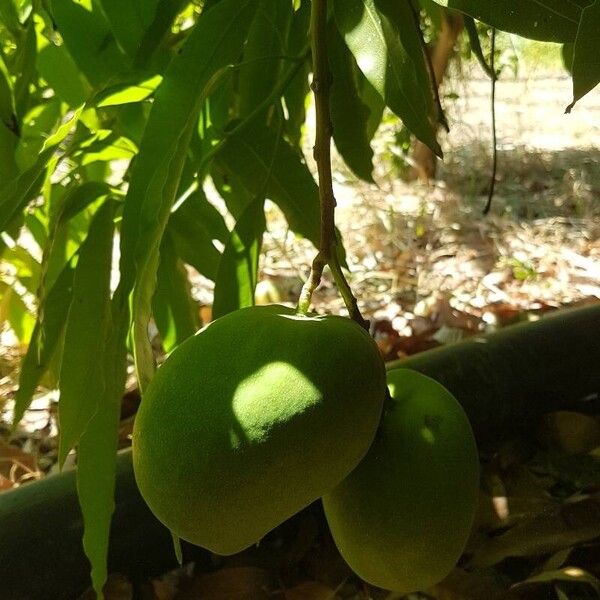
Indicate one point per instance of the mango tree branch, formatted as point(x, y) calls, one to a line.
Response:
point(327, 254)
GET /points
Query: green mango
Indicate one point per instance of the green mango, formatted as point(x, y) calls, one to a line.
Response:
point(256, 416)
point(402, 518)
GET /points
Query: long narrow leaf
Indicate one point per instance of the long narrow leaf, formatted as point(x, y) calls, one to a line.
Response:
point(175, 312)
point(56, 65)
point(267, 41)
point(298, 89)
point(215, 42)
point(90, 41)
point(349, 116)
point(586, 57)
point(15, 195)
point(81, 383)
point(44, 340)
point(475, 43)
point(378, 48)
point(166, 10)
point(236, 278)
point(150, 196)
point(97, 452)
point(247, 158)
point(544, 20)
point(7, 101)
point(193, 226)
point(25, 68)
point(129, 21)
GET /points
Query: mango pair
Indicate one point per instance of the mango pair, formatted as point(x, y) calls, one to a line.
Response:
point(264, 411)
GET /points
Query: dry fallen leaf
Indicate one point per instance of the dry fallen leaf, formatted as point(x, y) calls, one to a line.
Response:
point(235, 583)
point(15, 466)
point(547, 532)
point(570, 432)
point(567, 574)
point(462, 585)
point(5, 484)
point(117, 587)
point(310, 590)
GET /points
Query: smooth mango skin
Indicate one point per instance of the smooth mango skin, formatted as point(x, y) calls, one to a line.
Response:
point(402, 518)
point(252, 419)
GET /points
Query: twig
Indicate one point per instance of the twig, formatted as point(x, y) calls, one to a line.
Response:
point(488, 205)
point(327, 254)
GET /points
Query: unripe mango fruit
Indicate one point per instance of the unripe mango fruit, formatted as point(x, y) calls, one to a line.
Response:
point(256, 416)
point(401, 519)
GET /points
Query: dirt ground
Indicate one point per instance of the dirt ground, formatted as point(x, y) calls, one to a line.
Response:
point(413, 248)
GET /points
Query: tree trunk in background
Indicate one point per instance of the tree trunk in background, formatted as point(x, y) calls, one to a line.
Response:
point(422, 158)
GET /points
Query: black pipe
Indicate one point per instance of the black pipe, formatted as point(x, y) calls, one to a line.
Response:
point(503, 380)
point(507, 379)
point(41, 554)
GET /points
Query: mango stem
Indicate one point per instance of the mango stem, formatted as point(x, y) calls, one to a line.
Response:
point(327, 254)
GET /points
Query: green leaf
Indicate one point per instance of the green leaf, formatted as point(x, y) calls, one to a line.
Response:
point(373, 101)
point(104, 146)
point(215, 42)
point(295, 97)
point(475, 44)
point(231, 189)
point(262, 55)
point(157, 31)
point(130, 120)
point(586, 54)
point(570, 574)
point(193, 226)
point(80, 197)
point(8, 144)
point(135, 89)
point(66, 227)
point(44, 340)
point(567, 53)
point(379, 50)
point(434, 12)
point(81, 382)
point(349, 115)
point(544, 20)
point(97, 452)
point(129, 21)
point(15, 195)
point(36, 222)
point(56, 65)
point(26, 268)
point(14, 311)
point(25, 69)
point(175, 312)
point(10, 17)
point(298, 89)
point(7, 103)
point(88, 37)
point(36, 125)
point(263, 162)
point(401, 17)
point(238, 269)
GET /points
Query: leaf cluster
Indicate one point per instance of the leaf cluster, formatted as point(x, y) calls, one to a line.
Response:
point(115, 115)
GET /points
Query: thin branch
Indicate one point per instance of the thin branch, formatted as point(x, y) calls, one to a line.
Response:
point(322, 150)
point(327, 254)
point(488, 205)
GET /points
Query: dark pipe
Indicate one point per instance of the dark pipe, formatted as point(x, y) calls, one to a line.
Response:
point(503, 380)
